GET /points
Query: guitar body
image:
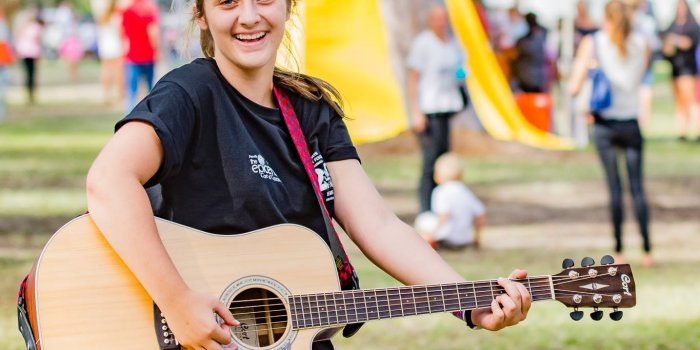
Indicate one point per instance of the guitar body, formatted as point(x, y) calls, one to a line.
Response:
point(82, 296)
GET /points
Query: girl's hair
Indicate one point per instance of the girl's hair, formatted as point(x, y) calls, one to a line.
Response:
point(111, 9)
point(305, 85)
point(618, 15)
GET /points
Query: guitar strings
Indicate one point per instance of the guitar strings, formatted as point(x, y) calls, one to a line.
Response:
point(450, 287)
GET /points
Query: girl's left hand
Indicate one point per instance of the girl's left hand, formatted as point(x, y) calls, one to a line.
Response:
point(506, 309)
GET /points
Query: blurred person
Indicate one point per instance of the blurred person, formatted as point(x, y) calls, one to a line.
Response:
point(623, 55)
point(71, 49)
point(583, 23)
point(643, 22)
point(110, 49)
point(28, 47)
point(679, 43)
point(140, 25)
point(530, 66)
point(6, 59)
point(433, 62)
point(197, 134)
point(460, 214)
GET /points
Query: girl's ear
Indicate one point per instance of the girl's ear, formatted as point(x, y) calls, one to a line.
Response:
point(199, 18)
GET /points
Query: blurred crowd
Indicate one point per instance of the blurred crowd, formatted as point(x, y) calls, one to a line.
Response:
point(128, 37)
point(533, 57)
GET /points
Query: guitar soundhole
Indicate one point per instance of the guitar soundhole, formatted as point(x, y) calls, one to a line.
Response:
point(263, 317)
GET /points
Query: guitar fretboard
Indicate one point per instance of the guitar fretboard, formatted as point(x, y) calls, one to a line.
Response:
point(347, 307)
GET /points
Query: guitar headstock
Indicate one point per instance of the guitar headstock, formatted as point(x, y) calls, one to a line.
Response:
point(602, 286)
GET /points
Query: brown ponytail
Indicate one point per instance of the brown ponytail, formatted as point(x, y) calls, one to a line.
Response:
point(309, 87)
point(618, 15)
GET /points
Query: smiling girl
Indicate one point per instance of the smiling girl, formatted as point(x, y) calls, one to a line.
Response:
point(201, 134)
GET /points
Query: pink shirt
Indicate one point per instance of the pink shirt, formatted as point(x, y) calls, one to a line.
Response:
point(28, 43)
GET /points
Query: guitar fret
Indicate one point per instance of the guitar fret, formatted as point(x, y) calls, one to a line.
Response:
point(420, 295)
point(351, 311)
point(359, 309)
point(295, 313)
point(462, 296)
point(383, 306)
point(313, 306)
point(459, 296)
point(437, 302)
point(476, 302)
point(451, 297)
point(308, 320)
point(325, 310)
point(364, 302)
point(408, 305)
point(342, 309)
point(371, 305)
point(396, 307)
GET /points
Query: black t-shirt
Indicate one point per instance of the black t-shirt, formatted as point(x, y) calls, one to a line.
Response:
point(230, 165)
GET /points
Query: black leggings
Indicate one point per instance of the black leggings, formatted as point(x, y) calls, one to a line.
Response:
point(610, 138)
point(434, 141)
point(30, 78)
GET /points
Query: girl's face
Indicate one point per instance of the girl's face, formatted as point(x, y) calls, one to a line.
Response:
point(246, 33)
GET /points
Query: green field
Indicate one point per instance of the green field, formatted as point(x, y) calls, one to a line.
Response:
point(542, 207)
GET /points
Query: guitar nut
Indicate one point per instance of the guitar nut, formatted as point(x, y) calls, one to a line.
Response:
point(573, 274)
point(592, 272)
point(166, 334)
point(612, 271)
point(617, 298)
point(577, 298)
point(165, 328)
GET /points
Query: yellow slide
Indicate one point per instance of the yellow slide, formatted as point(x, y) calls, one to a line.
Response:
point(346, 44)
point(489, 91)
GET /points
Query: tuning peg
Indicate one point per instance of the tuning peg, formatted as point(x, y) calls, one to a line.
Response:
point(597, 315)
point(616, 315)
point(576, 315)
point(567, 263)
point(587, 261)
point(607, 260)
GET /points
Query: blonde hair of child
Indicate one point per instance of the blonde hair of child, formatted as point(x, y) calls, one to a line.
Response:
point(448, 167)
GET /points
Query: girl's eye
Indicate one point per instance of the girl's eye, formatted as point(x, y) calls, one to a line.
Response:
point(228, 2)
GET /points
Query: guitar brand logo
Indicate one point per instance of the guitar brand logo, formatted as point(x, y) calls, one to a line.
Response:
point(261, 167)
point(625, 284)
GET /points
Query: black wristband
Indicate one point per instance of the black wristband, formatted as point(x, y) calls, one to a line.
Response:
point(468, 320)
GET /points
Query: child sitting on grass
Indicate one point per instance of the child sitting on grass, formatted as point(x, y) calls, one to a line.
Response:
point(457, 214)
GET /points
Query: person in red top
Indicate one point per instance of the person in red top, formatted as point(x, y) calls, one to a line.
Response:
point(140, 28)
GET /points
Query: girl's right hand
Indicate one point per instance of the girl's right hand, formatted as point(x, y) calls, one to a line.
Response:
point(191, 318)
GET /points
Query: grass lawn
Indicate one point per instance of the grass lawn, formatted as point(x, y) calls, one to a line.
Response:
point(543, 207)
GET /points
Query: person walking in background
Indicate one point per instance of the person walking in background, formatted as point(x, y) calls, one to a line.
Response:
point(6, 59)
point(622, 55)
point(643, 22)
point(530, 65)
point(110, 49)
point(460, 214)
point(679, 43)
point(583, 23)
point(140, 27)
point(28, 47)
point(434, 97)
point(71, 50)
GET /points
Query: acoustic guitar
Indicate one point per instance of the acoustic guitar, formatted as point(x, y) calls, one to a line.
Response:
point(80, 295)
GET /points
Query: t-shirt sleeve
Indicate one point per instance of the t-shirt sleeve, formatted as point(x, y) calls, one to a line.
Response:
point(416, 53)
point(169, 109)
point(339, 145)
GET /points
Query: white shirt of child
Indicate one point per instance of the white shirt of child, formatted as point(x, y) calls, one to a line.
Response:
point(437, 63)
point(455, 199)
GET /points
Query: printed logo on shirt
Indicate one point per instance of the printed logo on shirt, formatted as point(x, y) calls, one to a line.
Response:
point(262, 168)
point(324, 177)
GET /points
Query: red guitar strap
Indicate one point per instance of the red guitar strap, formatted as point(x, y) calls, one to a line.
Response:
point(346, 273)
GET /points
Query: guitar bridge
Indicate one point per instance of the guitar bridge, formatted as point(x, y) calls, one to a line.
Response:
point(166, 339)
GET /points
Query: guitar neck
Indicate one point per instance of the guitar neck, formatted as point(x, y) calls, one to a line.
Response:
point(347, 307)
